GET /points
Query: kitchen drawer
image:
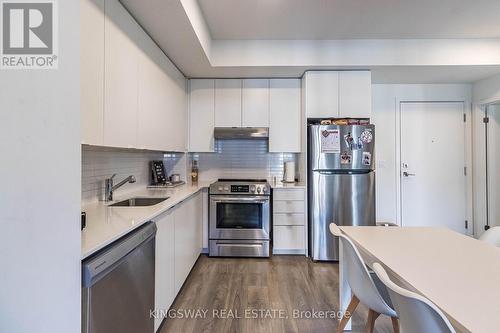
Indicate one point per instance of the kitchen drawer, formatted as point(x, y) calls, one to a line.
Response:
point(288, 206)
point(287, 237)
point(289, 194)
point(288, 219)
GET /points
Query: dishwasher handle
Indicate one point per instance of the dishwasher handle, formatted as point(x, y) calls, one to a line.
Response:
point(96, 267)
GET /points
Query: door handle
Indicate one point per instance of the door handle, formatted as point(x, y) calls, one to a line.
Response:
point(407, 174)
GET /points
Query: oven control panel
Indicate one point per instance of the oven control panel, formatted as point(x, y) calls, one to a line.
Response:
point(240, 188)
point(235, 188)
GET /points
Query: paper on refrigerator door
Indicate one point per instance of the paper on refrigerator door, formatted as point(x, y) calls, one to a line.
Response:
point(330, 141)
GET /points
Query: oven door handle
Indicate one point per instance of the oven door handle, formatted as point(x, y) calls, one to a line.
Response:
point(259, 244)
point(244, 200)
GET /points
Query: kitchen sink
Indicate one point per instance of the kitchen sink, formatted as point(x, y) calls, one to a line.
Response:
point(138, 202)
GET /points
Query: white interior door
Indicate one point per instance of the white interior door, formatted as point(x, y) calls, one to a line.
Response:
point(493, 152)
point(433, 182)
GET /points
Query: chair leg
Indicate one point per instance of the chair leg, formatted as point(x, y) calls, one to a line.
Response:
point(348, 313)
point(395, 324)
point(370, 322)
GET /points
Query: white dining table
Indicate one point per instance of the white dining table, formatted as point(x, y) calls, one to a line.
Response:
point(458, 273)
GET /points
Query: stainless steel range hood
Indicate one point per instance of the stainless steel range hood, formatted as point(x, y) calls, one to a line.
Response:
point(232, 133)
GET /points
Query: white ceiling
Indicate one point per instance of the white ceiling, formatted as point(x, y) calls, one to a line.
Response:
point(351, 19)
point(216, 38)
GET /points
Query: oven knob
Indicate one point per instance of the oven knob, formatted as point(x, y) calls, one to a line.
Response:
point(220, 188)
point(226, 188)
point(252, 189)
point(264, 189)
point(258, 189)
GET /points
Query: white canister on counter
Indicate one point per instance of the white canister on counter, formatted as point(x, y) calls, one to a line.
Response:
point(289, 174)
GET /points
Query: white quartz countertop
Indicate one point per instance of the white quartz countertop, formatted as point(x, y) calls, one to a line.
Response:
point(107, 224)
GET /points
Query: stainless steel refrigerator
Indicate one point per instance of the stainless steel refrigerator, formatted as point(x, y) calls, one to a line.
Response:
point(341, 183)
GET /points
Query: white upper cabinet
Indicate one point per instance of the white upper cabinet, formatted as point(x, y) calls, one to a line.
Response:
point(228, 103)
point(337, 94)
point(121, 77)
point(284, 116)
point(355, 94)
point(92, 70)
point(321, 94)
point(132, 95)
point(152, 117)
point(162, 109)
point(255, 103)
point(201, 115)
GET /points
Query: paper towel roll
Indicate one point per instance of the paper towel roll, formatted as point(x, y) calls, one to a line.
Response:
point(289, 176)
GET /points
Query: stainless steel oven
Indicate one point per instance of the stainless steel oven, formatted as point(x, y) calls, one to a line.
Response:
point(239, 218)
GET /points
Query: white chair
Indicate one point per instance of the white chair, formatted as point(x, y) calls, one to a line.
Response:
point(491, 236)
point(416, 313)
point(363, 286)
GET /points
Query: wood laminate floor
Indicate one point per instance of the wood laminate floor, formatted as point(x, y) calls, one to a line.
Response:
point(280, 292)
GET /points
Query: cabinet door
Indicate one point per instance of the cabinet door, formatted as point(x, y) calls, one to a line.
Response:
point(355, 100)
point(321, 94)
point(188, 233)
point(92, 70)
point(177, 108)
point(228, 103)
point(288, 206)
point(284, 116)
point(164, 263)
point(201, 115)
point(162, 115)
point(195, 205)
point(175, 96)
point(204, 217)
point(288, 237)
point(255, 103)
point(122, 34)
point(152, 116)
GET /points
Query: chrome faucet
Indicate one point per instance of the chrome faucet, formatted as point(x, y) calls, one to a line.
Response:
point(109, 187)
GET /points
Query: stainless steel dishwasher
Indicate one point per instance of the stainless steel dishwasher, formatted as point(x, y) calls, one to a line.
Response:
point(118, 285)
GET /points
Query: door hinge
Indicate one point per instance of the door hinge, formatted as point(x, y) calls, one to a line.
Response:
point(466, 224)
point(486, 120)
point(465, 117)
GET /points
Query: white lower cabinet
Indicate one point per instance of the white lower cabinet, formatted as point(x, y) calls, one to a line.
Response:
point(188, 237)
point(164, 262)
point(289, 206)
point(289, 217)
point(289, 238)
point(178, 245)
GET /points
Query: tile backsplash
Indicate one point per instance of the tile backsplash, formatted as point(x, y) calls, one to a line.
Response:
point(232, 159)
point(242, 159)
point(100, 163)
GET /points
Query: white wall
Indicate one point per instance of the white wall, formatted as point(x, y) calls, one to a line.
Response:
point(494, 164)
point(386, 99)
point(484, 92)
point(40, 193)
